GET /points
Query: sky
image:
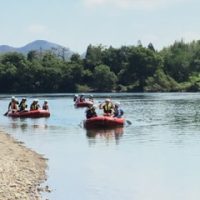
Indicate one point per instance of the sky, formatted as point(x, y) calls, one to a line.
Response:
point(77, 23)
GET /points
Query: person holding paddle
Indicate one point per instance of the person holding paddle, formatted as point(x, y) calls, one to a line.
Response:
point(118, 112)
point(13, 105)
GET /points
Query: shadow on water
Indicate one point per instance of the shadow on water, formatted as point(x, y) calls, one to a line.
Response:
point(106, 135)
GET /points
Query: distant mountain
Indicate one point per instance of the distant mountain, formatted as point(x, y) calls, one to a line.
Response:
point(38, 45)
point(6, 48)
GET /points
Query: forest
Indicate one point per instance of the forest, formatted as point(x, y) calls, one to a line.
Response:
point(104, 69)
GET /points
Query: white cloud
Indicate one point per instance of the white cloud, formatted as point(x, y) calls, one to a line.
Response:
point(37, 29)
point(132, 4)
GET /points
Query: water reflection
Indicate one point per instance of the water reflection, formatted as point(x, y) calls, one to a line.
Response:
point(106, 135)
point(158, 153)
point(25, 126)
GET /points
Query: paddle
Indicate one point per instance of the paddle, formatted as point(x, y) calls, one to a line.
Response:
point(5, 114)
point(128, 122)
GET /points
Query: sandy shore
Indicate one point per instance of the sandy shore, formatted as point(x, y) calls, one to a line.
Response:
point(21, 170)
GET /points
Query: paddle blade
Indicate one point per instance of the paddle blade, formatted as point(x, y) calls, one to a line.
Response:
point(5, 114)
point(128, 122)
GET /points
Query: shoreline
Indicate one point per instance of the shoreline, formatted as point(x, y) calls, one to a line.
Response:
point(22, 170)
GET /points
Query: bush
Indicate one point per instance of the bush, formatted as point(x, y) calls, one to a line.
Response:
point(83, 88)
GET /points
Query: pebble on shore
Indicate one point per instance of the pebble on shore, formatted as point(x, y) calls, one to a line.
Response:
point(21, 170)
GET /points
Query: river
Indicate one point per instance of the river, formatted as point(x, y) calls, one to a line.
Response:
point(156, 157)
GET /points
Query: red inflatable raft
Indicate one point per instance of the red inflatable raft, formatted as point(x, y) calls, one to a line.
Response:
point(104, 122)
point(31, 113)
point(83, 104)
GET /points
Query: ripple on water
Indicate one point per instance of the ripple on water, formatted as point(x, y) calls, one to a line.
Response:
point(158, 153)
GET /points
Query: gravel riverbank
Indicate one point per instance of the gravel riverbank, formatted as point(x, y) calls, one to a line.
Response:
point(21, 170)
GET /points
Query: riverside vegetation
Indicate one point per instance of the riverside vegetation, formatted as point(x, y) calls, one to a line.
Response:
point(104, 69)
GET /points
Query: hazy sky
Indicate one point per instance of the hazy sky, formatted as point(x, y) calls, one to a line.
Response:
point(78, 23)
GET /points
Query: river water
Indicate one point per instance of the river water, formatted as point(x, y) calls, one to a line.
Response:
point(156, 157)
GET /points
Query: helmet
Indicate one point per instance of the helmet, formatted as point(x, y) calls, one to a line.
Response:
point(45, 101)
point(35, 100)
point(23, 98)
point(13, 98)
point(117, 103)
point(107, 100)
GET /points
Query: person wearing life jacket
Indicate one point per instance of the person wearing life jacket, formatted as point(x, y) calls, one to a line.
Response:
point(35, 105)
point(45, 106)
point(91, 112)
point(23, 105)
point(75, 97)
point(91, 98)
point(107, 107)
point(14, 105)
point(81, 98)
point(118, 112)
point(11, 102)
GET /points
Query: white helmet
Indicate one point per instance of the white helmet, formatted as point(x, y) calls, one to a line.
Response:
point(117, 103)
point(16, 100)
point(107, 100)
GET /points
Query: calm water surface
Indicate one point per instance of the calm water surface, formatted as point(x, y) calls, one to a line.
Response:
point(157, 157)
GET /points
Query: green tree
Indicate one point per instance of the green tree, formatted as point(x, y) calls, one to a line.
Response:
point(104, 79)
point(93, 56)
point(32, 55)
point(76, 58)
point(8, 77)
point(116, 58)
point(142, 63)
point(151, 47)
point(177, 59)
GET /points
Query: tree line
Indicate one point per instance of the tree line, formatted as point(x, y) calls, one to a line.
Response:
point(104, 69)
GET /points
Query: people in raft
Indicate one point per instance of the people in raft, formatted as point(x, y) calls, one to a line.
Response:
point(91, 111)
point(108, 107)
point(118, 112)
point(35, 105)
point(22, 105)
point(13, 105)
point(79, 98)
point(45, 105)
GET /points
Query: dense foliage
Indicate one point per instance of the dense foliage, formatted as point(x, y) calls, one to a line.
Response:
point(125, 69)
